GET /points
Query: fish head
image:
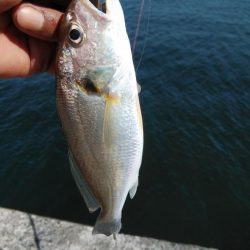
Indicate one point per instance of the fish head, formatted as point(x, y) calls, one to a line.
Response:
point(93, 45)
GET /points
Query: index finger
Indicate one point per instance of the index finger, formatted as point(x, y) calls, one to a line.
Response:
point(8, 4)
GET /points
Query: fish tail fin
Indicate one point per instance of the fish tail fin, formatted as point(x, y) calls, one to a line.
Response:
point(107, 227)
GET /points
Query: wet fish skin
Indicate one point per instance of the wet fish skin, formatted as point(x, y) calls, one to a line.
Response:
point(97, 102)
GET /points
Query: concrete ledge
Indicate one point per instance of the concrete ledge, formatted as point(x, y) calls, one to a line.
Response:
point(19, 230)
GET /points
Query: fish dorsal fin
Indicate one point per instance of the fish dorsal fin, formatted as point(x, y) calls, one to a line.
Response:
point(133, 190)
point(139, 88)
point(82, 185)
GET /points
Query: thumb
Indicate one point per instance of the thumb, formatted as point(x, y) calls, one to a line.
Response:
point(37, 21)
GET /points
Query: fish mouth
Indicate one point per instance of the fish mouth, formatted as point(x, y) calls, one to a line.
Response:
point(99, 8)
point(100, 5)
point(110, 10)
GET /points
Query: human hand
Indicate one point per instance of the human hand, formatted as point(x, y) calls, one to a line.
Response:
point(27, 38)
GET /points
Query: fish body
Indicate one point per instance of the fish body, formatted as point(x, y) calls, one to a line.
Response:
point(98, 105)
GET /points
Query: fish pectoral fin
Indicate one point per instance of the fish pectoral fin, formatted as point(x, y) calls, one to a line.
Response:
point(133, 190)
point(109, 131)
point(82, 185)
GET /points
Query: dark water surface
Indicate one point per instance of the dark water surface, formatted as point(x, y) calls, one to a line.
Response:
point(195, 177)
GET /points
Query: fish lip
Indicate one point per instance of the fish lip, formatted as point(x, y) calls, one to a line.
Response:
point(94, 9)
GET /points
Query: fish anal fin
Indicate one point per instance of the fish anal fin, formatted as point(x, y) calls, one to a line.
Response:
point(82, 185)
point(133, 190)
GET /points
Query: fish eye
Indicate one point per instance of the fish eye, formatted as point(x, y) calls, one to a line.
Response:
point(76, 34)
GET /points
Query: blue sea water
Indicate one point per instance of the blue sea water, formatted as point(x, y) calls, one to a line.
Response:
point(195, 176)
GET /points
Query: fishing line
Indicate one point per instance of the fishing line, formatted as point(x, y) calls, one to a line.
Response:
point(138, 25)
point(138, 29)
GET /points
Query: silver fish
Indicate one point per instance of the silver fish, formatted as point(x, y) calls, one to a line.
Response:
point(98, 104)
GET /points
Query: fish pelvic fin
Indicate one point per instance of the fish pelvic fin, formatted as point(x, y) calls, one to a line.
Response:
point(109, 227)
point(133, 190)
point(82, 185)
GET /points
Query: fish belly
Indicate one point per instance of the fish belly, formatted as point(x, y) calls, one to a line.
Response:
point(106, 143)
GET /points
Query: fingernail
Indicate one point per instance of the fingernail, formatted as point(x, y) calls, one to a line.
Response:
point(30, 18)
